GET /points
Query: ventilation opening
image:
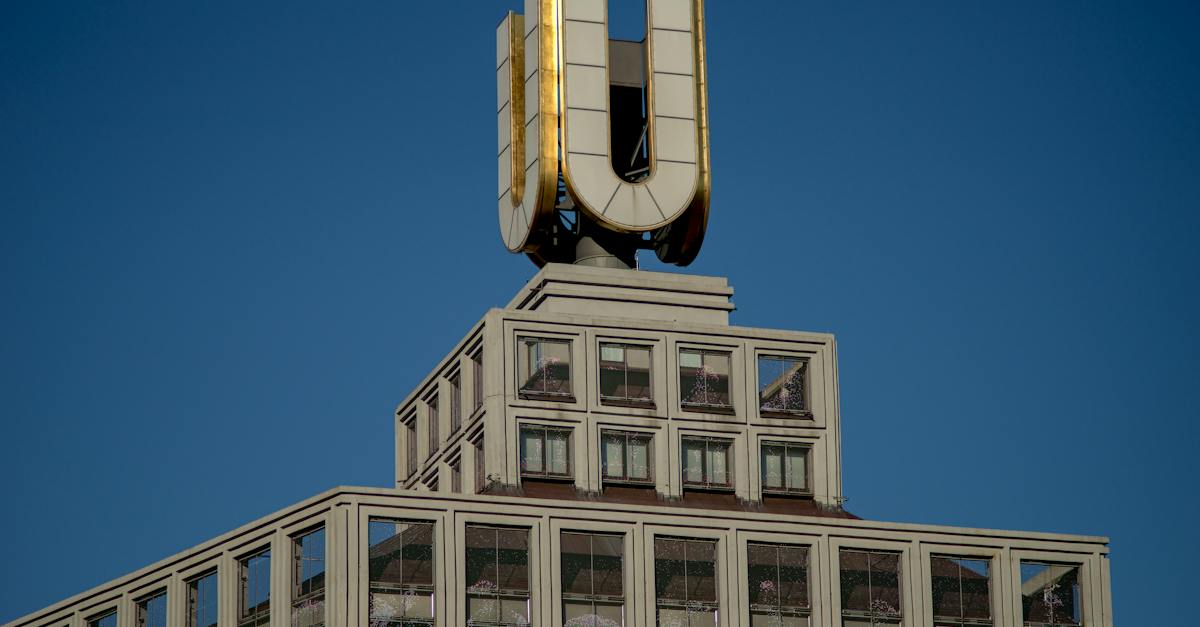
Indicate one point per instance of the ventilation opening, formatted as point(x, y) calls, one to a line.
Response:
point(628, 107)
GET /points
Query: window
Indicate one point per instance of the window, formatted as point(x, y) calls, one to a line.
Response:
point(481, 481)
point(685, 582)
point(704, 378)
point(870, 588)
point(152, 611)
point(254, 589)
point(626, 457)
point(593, 579)
point(497, 576)
point(962, 591)
point(435, 420)
point(202, 601)
point(545, 452)
point(778, 584)
point(401, 572)
point(785, 468)
point(410, 444)
point(477, 380)
point(707, 463)
point(1050, 595)
point(308, 579)
point(625, 374)
point(783, 385)
point(544, 367)
point(104, 620)
point(456, 476)
point(455, 402)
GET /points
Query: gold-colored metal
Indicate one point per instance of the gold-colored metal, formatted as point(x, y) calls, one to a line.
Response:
point(516, 65)
point(545, 177)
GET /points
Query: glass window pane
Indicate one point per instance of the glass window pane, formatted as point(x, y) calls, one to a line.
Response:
point(718, 463)
point(689, 359)
point(576, 567)
point(1050, 593)
point(693, 461)
point(944, 575)
point(976, 582)
point(255, 585)
point(108, 620)
point(639, 458)
point(531, 450)
point(558, 459)
point(702, 571)
point(614, 449)
point(670, 578)
point(855, 581)
point(885, 583)
point(515, 611)
point(400, 553)
point(152, 612)
point(793, 576)
point(718, 366)
point(310, 563)
point(484, 608)
point(797, 468)
point(763, 569)
point(513, 560)
point(781, 384)
point(481, 569)
point(202, 601)
point(772, 466)
point(608, 553)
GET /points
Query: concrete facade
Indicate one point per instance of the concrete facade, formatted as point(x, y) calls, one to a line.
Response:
point(459, 463)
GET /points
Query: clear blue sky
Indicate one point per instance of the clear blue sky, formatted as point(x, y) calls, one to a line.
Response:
point(233, 234)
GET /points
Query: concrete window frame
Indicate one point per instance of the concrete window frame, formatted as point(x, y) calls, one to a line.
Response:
point(457, 548)
point(736, 412)
point(1089, 582)
point(817, 563)
point(242, 560)
point(144, 597)
point(909, 573)
point(999, 575)
point(630, 558)
point(725, 567)
point(659, 373)
point(821, 382)
point(362, 549)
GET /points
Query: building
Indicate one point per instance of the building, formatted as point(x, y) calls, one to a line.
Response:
point(608, 450)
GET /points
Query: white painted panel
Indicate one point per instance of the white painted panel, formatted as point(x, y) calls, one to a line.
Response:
point(672, 14)
point(673, 186)
point(593, 179)
point(533, 53)
point(673, 52)
point(533, 14)
point(502, 34)
point(587, 10)
point(621, 208)
point(533, 90)
point(533, 138)
point(633, 207)
point(675, 140)
point(503, 85)
point(587, 87)
point(587, 131)
point(674, 96)
point(585, 43)
point(645, 211)
point(504, 127)
point(504, 181)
